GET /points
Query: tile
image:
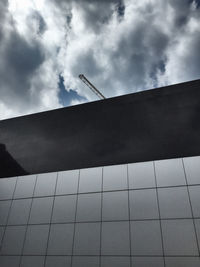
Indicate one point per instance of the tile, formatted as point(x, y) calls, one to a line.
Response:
point(67, 182)
point(179, 238)
point(90, 180)
point(41, 210)
point(25, 186)
point(85, 261)
point(19, 212)
point(7, 186)
point(146, 238)
point(115, 206)
point(182, 262)
point(9, 261)
point(60, 239)
point(4, 210)
point(87, 239)
point(32, 261)
point(1, 234)
point(58, 261)
point(143, 204)
point(192, 169)
point(197, 225)
point(170, 172)
point(45, 185)
point(147, 262)
point(89, 207)
point(13, 240)
point(194, 192)
point(115, 261)
point(115, 238)
point(64, 209)
point(141, 175)
point(115, 177)
point(36, 240)
point(174, 202)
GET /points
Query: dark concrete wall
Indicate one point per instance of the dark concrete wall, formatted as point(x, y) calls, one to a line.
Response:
point(155, 124)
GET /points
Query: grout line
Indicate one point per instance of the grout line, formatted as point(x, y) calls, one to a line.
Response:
point(8, 215)
point(106, 191)
point(73, 240)
point(129, 215)
point(133, 220)
point(162, 239)
point(29, 215)
point(195, 230)
point(96, 255)
point(101, 225)
point(52, 209)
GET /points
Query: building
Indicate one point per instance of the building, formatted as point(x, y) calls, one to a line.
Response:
point(109, 183)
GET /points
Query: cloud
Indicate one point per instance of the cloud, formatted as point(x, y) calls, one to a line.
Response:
point(19, 62)
point(3, 11)
point(183, 59)
point(136, 52)
point(120, 46)
point(94, 13)
point(25, 84)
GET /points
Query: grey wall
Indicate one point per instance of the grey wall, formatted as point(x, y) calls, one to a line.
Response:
point(156, 124)
point(130, 215)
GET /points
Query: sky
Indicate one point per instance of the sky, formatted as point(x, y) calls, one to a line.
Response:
point(121, 46)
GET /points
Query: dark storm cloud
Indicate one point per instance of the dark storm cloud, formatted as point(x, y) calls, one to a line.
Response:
point(95, 12)
point(19, 61)
point(21, 57)
point(197, 3)
point(3, 11)
point(181, 11)
point(87, 63)
point(143, 50)
point(120, 9)
point(192, 60)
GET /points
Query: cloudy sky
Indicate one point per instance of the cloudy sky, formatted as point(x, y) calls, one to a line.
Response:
point(121, 46)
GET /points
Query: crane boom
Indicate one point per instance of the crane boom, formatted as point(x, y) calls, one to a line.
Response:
point(91, 86)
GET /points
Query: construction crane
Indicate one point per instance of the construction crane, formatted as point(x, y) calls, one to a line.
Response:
point(91, 86)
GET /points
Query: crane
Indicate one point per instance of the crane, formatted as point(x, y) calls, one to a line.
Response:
point(91, 86)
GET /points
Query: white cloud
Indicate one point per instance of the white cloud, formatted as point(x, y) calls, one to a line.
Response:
point(121, 46)
point(183, 58)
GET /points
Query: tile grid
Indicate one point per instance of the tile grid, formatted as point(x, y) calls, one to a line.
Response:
point(48, 238)
point(23, 246)
point(129, 216)
point(132, 220)
point(101, 224)
point(6, 225)
point(107, 191)
point(195, 230)
point(159, 214)
point(73, 240)
point(116, 190)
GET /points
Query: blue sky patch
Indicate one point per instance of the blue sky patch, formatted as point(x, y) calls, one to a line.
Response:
point(65, 97)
